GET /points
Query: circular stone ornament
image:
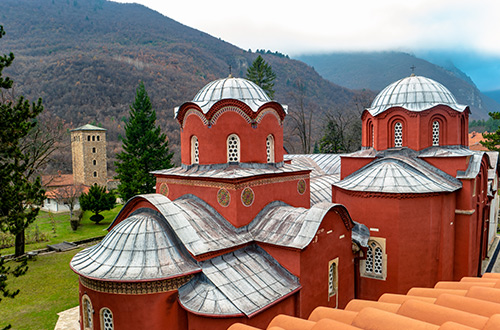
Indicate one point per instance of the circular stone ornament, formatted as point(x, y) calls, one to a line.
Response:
point(247, 196)
point(164, 189)
point(223, 197)
point(301, 186)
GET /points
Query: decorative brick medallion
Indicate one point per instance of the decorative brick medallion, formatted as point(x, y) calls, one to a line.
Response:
point(247, 196)
point(301, 186)
point(223, 197)
point(164, 189)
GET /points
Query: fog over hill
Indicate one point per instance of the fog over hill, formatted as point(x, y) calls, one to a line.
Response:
point(376, 70)
point(86, 57)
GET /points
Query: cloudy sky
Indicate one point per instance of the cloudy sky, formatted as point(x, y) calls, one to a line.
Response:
point(298, 27)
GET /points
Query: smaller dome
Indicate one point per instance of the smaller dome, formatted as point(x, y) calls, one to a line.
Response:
point(416, 94)
point(231, 88)
point(141, 247)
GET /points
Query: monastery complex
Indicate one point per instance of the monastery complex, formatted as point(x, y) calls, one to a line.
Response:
point(242, 232)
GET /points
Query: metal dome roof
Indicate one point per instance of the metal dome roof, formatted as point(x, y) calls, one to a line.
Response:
point(141, 247)
point(231, 88)
point(414, 93)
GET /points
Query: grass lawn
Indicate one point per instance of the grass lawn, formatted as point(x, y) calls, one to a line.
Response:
point(49, 287)
point(63, 231)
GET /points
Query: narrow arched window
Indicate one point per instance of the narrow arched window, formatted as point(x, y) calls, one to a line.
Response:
point(95, 174)
point(87, 312)
point(106, 319)
point(233, 148)
point(435, 133)
point(374, 264)
point(98, 138)
point(88, 138)
point(371, 135)
point(270, 148)
point(93, 150)
point(333, 277)
point(195, 151)
point(94, 162)
point(398, 134)
point(93, 137)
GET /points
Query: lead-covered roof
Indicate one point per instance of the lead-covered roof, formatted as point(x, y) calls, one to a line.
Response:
point(414, 93)
point(141, 247)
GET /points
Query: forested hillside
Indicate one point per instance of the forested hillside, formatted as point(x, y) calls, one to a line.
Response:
point(375, 70)
point(86, 57)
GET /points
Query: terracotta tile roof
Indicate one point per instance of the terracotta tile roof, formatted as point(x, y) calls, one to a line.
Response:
point(57, 180)
point(472, 303)
point(475, 139)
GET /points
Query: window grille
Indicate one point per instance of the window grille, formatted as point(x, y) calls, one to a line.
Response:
point(87, 313)
point(270, 149)
point(435, 133)
point(332, 279)
point(195, 151)
point(106, 319)
point(233, 148)
point(398, 134)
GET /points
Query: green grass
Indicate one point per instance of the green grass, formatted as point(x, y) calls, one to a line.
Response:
point(49, 287)
point(63, 231)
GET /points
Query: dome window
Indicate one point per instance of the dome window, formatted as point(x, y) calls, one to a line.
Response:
point(270, 148)
point(87, 312)
point(398, 134)
point(435, 133)
point(233, 149)
point(195, 151)
point(106, 319)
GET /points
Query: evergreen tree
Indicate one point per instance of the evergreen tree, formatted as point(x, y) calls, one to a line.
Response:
point(20, 191)
point(145, 149)
point(492, 140)
point(262, 74)
point(97, 200)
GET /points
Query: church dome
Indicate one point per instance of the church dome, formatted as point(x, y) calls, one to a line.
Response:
point(231, 88)
point(141, 247)
point(414, 93)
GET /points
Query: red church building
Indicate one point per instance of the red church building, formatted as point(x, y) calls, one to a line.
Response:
point(241, 232)
point(229, 236)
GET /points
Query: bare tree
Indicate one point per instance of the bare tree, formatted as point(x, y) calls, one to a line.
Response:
point(302, 115)
point(68, 195)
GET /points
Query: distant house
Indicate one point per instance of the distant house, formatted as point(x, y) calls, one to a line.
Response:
point(58, 188)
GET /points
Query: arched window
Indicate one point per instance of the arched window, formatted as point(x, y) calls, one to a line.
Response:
point(233, 149)
point(374, 264)
point(88, 138)
point(95, 174)
point(98, 138)
point(270, 148)
point(94, 162)
point(370, 134)
point(464, 136)
point(398, 134)
point(93, 137)
point(195, 151)
point(93, 150)
point(106, 319)
point(333, 277)
point(435, 133)
point(87, 312)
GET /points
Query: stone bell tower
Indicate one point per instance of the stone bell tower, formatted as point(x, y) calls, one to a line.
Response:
point(88, 148)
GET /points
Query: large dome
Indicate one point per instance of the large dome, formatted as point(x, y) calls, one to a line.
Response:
point(414, 93)
point(231, 88)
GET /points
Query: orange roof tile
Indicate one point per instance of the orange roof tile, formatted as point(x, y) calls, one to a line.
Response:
point(376, 319)
point(57, 180)
point(471, 305)
point(291, 323)
point(439, 315)
point(475, 306)
point(332, 313)
point(433, 293)
point(475, 139)
point(357, 305)
point(400, 298)
point(462, 285)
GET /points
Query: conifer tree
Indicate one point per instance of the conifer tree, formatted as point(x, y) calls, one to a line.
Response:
point(262, 75)
point(145, 149)
point(20, 191)
point(97, 200)
point(492, 140)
